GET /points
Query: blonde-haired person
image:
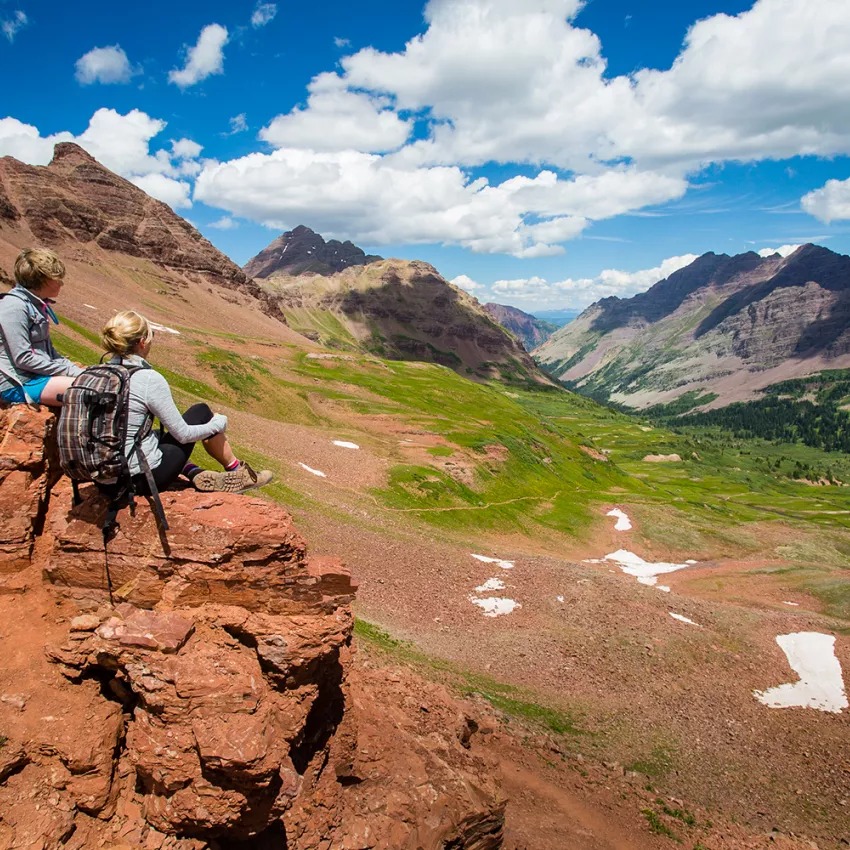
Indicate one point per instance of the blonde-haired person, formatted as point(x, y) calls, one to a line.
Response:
point(31, 370)
point(128, 337)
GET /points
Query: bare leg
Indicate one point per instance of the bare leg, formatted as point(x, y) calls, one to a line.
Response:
point(54, 388)
point(218, 448)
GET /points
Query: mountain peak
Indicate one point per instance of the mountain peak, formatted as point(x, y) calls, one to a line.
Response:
point(303, 251)
point(71, 153)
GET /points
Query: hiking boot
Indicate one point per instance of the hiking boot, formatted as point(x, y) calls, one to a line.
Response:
point(236, 481)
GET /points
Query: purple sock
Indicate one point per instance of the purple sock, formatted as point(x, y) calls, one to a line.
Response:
point(191, 470)
point(232, 466)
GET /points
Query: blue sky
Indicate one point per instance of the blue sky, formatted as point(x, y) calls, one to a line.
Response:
point(542, 153)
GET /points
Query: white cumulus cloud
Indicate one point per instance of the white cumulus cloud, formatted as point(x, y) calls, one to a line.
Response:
point(467, 283)
point(224, 223)
point(580, 292)
point(120, 142)
point(375, 200)
point(829, 203)
point(782, 250)
point(106, 65)
point(263, 14)
point(204, 59)
point(238, 124)
point(339, 120)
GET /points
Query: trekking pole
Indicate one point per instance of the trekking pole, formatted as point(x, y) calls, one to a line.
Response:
point(106, 566)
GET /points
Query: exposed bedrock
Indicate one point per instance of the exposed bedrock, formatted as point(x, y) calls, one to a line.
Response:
point(217, 700)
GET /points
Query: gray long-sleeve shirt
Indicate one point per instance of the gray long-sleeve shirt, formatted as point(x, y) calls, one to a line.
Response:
point(25, 347)
point(150, 393)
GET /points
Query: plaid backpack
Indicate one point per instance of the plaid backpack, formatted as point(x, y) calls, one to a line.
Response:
point(92, 436)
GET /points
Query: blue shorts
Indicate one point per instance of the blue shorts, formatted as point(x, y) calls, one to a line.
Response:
point(34, 387)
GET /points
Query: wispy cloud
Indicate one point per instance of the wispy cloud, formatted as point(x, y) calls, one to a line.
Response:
point(12, 26)
point(263, 14)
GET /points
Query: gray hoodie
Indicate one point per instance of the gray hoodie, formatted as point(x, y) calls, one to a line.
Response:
point(25, 347)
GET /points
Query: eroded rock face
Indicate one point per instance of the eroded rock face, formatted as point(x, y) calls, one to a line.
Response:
point(28, 467)
point(220, 549)
point(230, 708)
point(76, 198)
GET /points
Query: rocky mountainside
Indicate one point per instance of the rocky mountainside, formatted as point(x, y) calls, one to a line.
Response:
point(722, 328)
point(529, 330)
point(216, 701)
point(406, 311)
point(75, 201)
point(303, 251)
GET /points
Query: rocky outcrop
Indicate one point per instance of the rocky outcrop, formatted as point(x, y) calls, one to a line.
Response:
point(528, 329)
point(303, 251)
point(76, 199)
point(28, 467)
point(216, 703)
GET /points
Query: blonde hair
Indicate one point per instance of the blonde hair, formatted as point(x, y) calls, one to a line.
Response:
point(124, 331)
point(35, 266)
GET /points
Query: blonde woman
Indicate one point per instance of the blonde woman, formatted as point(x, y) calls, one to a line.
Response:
point(31, 370)
point(128, 337)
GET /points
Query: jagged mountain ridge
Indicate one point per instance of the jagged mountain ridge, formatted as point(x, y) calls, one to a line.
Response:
point(723, 325)
point(402, 310)
point(530, 330)
point(75, 199)
point(303, 251)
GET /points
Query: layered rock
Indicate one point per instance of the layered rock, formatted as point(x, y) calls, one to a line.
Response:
point(28, 467)
point(216, 701)
point(404, 311)
point(725, 326)
point(75, 199)
point(303, 251)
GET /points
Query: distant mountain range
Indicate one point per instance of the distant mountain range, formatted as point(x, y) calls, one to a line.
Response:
point(528, 329)
point(721, 329)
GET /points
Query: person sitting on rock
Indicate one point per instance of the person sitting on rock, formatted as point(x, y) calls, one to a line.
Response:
point(31, 370)
point(128, 337)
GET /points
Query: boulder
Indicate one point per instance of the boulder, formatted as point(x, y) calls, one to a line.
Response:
point(28, 468)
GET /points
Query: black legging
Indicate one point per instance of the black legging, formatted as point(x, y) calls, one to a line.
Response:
point(174, 455)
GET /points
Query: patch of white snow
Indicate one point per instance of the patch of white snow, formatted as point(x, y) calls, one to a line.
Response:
point(90, 306)
point(157, 327)
point(495, 607)
point(623, 522)
point(313, 471)
point(682, 618)
point(812, 657)
point(491, 584)
point(559, 598)
point(344, 444)
point(645, 572)
point(662, 587)
point(795, 604)
point(505, 565)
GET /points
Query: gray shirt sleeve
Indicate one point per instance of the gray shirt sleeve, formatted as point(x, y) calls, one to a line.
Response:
point(15, 328)
point(159, 402)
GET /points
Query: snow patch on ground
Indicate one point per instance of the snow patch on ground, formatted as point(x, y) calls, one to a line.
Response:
point(795, 604)
point(157, 327)
point(663, 587)
point(623, 522)
point(344, 444)
point(90, 306)
point(311, 470)
point(811, 656)
point(644, 571)
point(682, 618)
point(505, 565)
point(491, 584)
point(495, 607)
point(559, 598)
